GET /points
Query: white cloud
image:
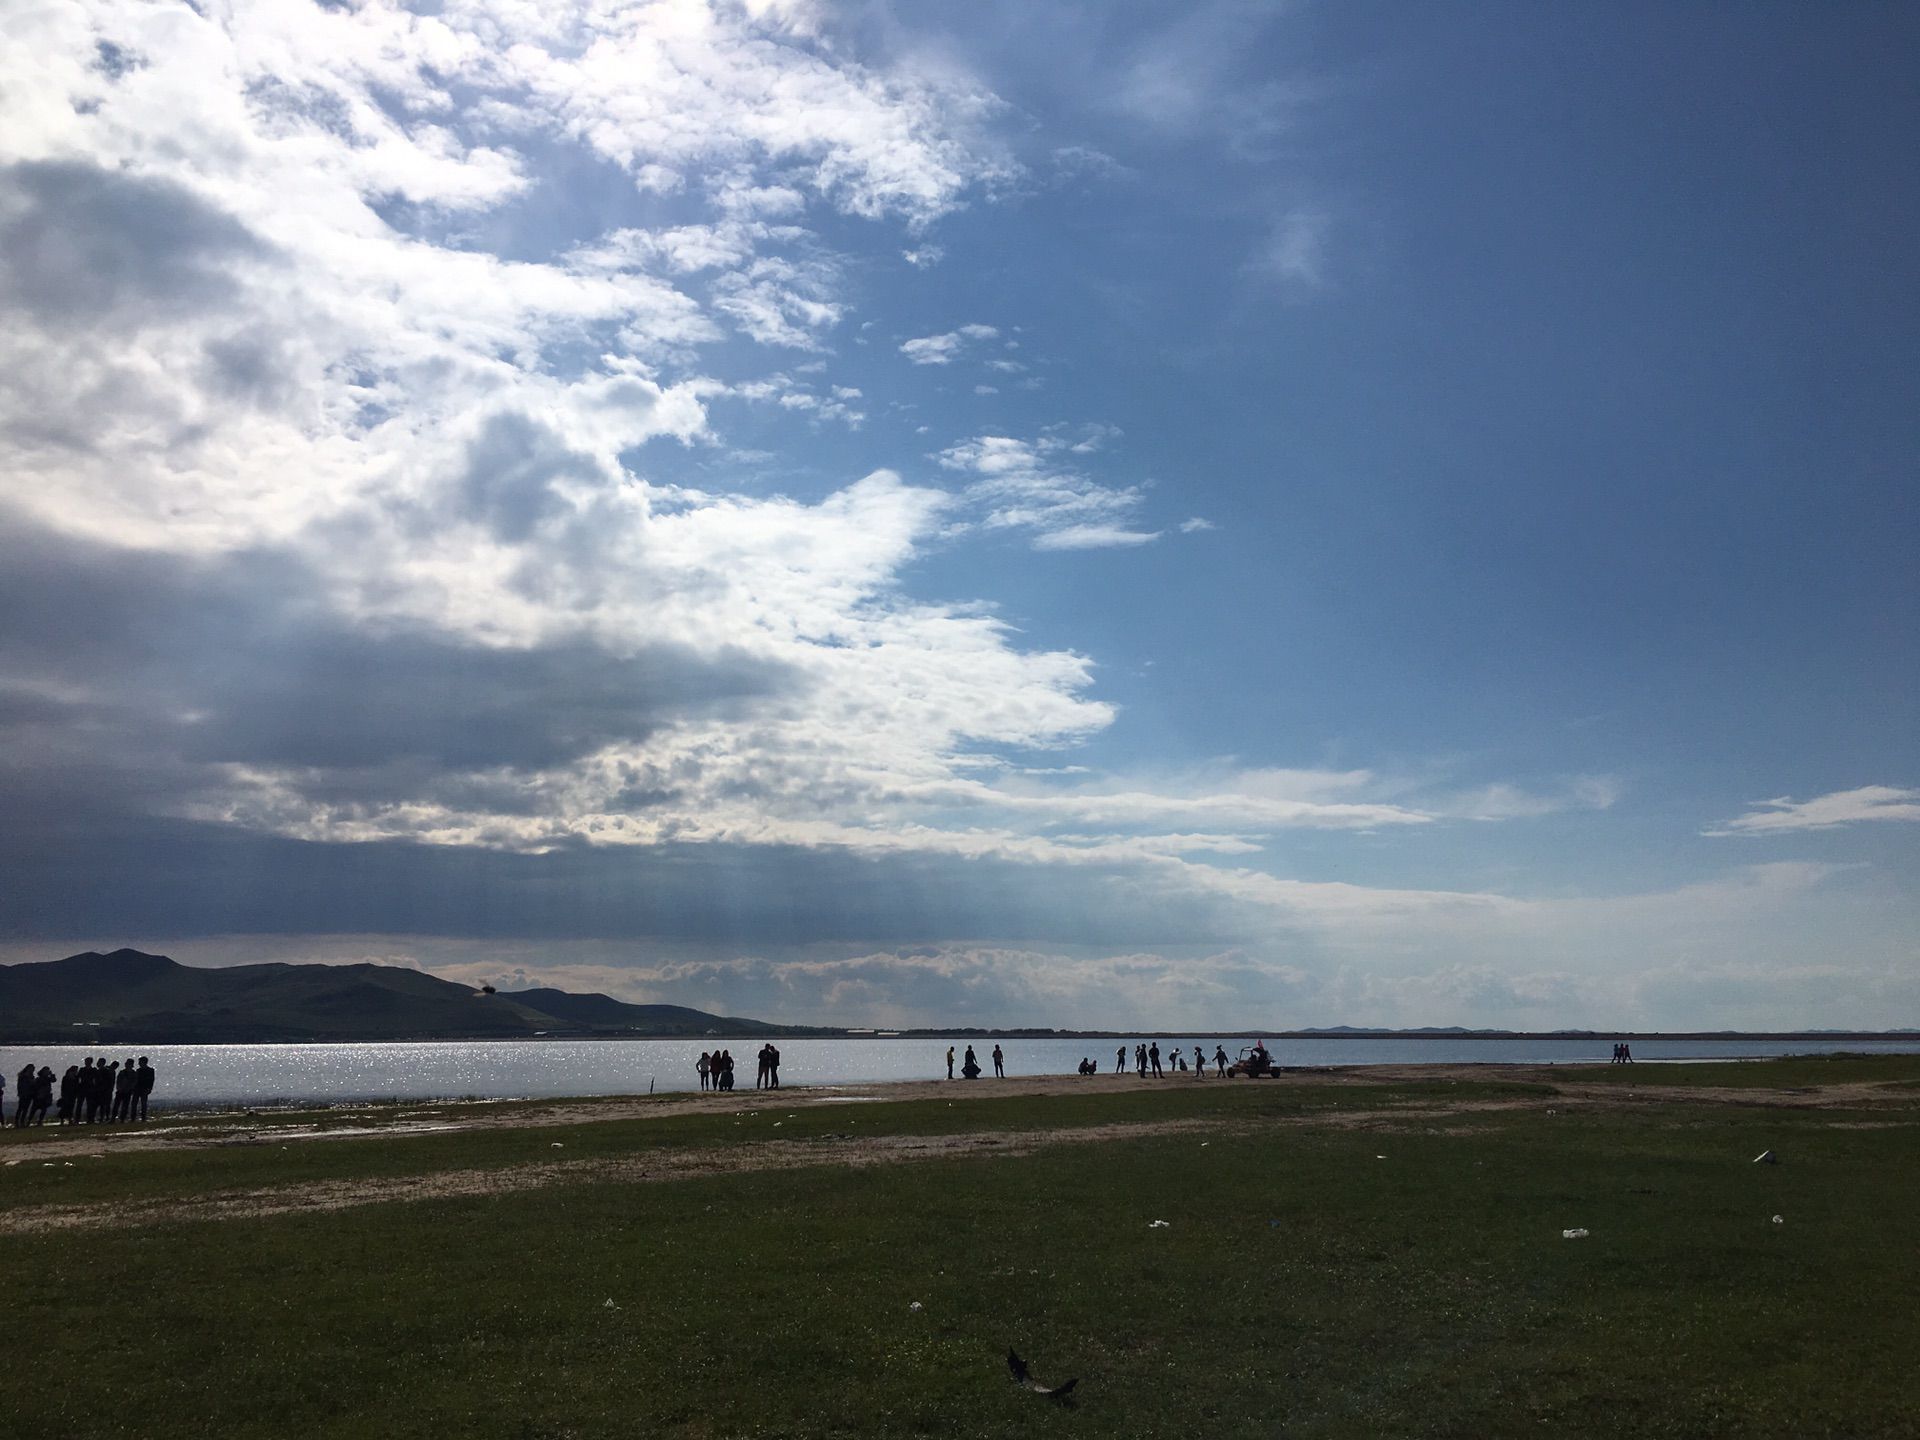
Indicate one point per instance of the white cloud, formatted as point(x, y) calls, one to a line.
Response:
point(945, 349)
point(1026, 485)
point(1295, 250)
point(1824, 812)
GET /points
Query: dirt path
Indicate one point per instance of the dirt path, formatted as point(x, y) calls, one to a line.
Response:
point(348, 1123)
point(844, 1152)
point(1538, 1089)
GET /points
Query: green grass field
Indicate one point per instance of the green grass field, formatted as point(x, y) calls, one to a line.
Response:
point(1316, 1277)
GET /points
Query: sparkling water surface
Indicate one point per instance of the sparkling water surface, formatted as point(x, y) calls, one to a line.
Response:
point(510, 1069)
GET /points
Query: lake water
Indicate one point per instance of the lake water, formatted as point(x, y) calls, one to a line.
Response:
point(509, 1069)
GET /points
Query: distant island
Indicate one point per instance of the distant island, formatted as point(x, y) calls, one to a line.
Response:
point(132, 997)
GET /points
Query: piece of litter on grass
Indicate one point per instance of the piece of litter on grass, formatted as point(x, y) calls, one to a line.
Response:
point(609, 1305)
point(1766, 1157)
point(1157, 1225)
point(916, 1305)
point(1778, 1220)
point(558, 1146)
point(1205, 1143)
point(1573, 1234)
point(1379, 1157)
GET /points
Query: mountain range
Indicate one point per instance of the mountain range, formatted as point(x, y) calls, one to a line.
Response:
point(130, 997)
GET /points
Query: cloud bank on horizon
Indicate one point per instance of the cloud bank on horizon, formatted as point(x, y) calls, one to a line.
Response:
point(803, 510)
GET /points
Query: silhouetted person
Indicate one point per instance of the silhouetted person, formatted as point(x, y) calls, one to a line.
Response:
point(971, 1070)
point(999, 1064)
point(1220, 1061)
point(142, 1087)
point(1626, 1053)
point(1120, 1061)
point(949, 1062)
point(23, 1096)
point(123, 1091)
point(69, 1090)
point(1153, 1059)
point(1140, 1059)
point(700, 1068)
point(1199, 1063)
point(42, 1095)
point(773, 1066)
point(726, 1070)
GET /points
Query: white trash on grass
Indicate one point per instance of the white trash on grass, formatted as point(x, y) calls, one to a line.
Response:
point(1575, 1234)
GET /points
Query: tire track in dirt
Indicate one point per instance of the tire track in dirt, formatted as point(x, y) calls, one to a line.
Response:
point(652, 1167)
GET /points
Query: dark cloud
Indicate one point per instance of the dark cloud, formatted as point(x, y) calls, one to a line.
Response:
point(510, 471)
point(126, 661)
point(79, 244)
point(163, 879)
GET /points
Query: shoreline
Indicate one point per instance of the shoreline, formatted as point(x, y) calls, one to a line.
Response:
point(215, 1125)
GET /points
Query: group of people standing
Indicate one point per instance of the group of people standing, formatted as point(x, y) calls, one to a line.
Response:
point(1147, 1061)
point(716, 1070)
point(97, 1092)
point(970, 1068)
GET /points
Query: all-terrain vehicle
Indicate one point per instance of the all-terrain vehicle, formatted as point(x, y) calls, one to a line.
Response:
point(1254, 1062)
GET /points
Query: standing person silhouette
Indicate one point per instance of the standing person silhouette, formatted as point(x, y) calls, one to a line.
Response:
point(971, 1069)
point(949, 1062)
point(999, 1064)
point(1140, 1059)
point(123, 1091)
point(142, 1088)
point(1199, 1063)
point(1153, 1058)
point(701, 1067)
point(1120, 1061)
point(23, 1096)
point(1220, 1061)
point(760, 1074)
point(773, 1066)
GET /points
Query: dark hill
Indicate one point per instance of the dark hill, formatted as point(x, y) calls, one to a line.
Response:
point(604, 1011)
point(132, 997)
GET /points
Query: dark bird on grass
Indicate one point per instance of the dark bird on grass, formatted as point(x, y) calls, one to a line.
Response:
point(1026, 1381)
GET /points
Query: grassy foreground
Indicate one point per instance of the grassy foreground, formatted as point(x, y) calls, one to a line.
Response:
point(1321, 1274)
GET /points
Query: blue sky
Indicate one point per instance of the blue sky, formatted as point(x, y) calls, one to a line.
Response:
point(1077, 515)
